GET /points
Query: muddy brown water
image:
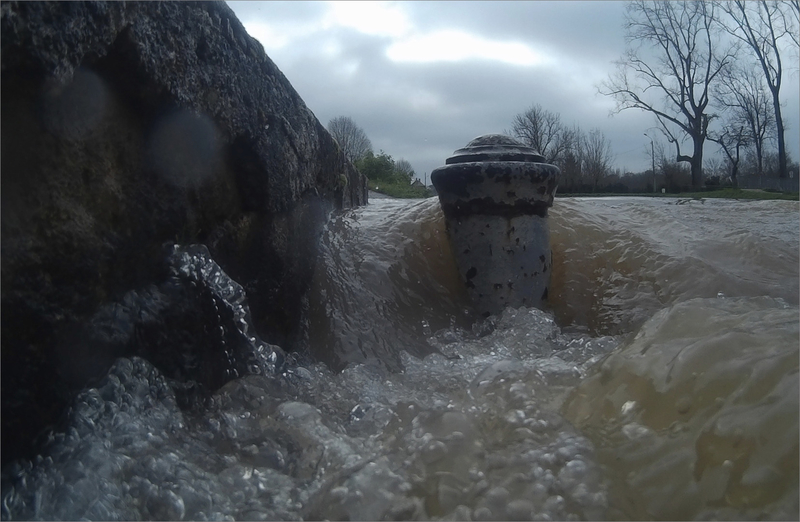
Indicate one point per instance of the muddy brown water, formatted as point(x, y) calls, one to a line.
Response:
point(660, 383)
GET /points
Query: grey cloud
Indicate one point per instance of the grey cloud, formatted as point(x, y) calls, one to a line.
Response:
point(561, 26)
point(424, 111)
point(277, 11)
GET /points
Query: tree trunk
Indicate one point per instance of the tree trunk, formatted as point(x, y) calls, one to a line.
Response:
point(781, 139)
point(697, 161)
point(759, 157)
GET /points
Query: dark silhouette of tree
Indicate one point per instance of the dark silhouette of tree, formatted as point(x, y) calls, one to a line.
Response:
point(571, 160)
point(794, 9)
point(748, 106)
point(351, 138)
point(597, 157)
point(376, 168)
point(677, 177)
point(761, 26)
point(541, 130)
point(732, 141)
point(674, 85)
point(404, 170)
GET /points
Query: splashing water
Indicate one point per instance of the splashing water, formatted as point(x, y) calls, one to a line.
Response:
point(662, 383)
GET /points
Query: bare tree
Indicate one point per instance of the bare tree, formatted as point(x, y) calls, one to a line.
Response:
point(748, 105)
point(792, 20)
point(676, 176)
point(675, 85)
point(403, 168)
point(541, 130)
point(732, 141)
point(570, 161)
point(597, 157)
point(715, 167)
point(761, 26)
point(351, 138)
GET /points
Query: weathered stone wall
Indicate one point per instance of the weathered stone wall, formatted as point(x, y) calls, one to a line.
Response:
point(126, 125)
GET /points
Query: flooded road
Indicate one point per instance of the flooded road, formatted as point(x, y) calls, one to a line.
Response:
point(660, 383)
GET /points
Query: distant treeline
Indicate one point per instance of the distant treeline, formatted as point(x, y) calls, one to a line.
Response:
point(673, 177)
point(707, 72)
point(385, 174)
point(585, 160)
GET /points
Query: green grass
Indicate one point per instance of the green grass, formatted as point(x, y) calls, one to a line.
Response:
point(728, 193)
point(734, 193)
point(399, 190)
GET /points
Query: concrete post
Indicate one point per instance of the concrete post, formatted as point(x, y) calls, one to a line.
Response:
point(495, 193)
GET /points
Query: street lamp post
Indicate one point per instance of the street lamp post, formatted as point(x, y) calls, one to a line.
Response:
point(653, 156)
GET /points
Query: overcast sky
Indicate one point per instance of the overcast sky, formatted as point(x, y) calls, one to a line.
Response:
point(424, 78)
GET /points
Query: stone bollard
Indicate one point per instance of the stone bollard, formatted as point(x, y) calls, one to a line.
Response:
point(494, 194)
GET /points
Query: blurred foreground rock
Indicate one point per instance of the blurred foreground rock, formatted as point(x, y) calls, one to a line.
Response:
point(127, 125)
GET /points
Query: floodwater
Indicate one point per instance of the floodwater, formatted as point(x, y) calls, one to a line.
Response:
point(661, 383)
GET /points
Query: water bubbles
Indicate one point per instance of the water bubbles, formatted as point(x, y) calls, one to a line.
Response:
point(163, 504)
point(433, 451)
point(519, 510)
point(476, 475)
point(357, 413)
point(628, 407)
point(478, 437)
point(448, 497)
point(462, 512)
point(537, 425)
point(497, 496)
point(515, 417)
point(494, 372)
point(554, 504)
point(426, 328)
point(572, 474)
point(519, 392)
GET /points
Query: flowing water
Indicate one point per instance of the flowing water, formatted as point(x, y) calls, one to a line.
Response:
point(662, 383)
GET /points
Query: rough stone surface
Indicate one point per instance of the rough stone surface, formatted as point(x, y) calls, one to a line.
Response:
point(494, 194)
point(494, 147)
point(127, 125)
